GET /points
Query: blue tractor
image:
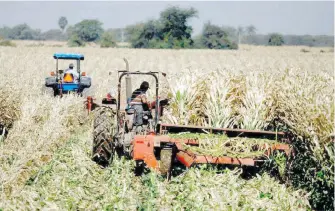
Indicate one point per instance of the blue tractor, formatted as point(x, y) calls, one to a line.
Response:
point(63, 82)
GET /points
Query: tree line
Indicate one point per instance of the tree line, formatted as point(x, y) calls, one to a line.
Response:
point(171, 30)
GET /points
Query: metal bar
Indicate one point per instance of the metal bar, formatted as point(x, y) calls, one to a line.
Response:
point(187, 157)
point(274, 147)
point(57, 68)
point(224, 129)
point(224, 160)
point(138, 73)
point(78, 69)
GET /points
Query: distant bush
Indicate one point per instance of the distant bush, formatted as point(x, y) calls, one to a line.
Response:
point(169, 31)
point(24, 32)
point(57, 45)
point(107, 40)
point(304, 50)
point(54, 34)
point(7, 43)
point(214, 37)
point(276, 40)
point(87, 30)
point(36, 45)
point(75, 41)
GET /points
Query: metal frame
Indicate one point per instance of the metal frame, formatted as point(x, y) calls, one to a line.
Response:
point(228, 131)
point(146, 147)
point(78, 67)
point(144, 150)
point(124, 73)
point(75, 59)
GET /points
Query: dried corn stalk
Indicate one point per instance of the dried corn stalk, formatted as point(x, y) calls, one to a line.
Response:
point(221, 145)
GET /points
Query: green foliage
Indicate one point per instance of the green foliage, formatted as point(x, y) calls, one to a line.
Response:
point(5, 32)
point(303, 50)
point(306, 40)
point(144, 35)
point(232, 33)
point(24, 32)
point(314, 175)
point(174, 22)
point(117, 34)
point(7, 43)
point(87, 30)
point(54, 34)
point(215, 37)
point(170, 31)
point(62, 22)
point(107, 40)
point(276, 40)
point(75, 41)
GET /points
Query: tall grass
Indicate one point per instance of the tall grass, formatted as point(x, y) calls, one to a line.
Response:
point(45, 159)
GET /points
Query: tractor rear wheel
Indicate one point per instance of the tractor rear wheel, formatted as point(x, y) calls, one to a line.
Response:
point(104, 130)
point(165, 162)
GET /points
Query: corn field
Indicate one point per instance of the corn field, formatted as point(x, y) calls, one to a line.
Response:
point(45, 158)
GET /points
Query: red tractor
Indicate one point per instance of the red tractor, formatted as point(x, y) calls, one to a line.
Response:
point(148, 144)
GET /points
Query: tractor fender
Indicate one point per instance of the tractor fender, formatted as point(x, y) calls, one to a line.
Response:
point(85, 82)
point(50, 81)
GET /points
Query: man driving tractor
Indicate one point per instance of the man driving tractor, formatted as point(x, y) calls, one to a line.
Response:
point(139, 102)
point(70, 70)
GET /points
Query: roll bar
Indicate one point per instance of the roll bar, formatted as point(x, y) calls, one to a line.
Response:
point(126, 72)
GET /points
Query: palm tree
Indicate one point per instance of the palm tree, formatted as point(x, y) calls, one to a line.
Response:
point(240, 31)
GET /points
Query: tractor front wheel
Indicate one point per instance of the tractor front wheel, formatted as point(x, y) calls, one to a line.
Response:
point(104, 130)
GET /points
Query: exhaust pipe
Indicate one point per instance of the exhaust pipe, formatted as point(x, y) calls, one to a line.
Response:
point(128, 81)
point(128, 86)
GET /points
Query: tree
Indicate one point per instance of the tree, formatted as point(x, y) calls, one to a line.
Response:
point(169, 31)
point(117, 34)
point(214, 37)
point(143, 35)
point(232, 33)
point(87, 30)
point(5, 32)
point(53, 34)
point(24, 32)
point(62, 22)
point(75, 41)
point(276, 39)
point(107, 40)
point(251, 30)
point(175, 31)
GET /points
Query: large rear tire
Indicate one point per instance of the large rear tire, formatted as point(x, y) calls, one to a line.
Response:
point(104, 130)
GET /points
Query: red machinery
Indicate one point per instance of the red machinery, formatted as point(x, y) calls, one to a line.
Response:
point(149, 143)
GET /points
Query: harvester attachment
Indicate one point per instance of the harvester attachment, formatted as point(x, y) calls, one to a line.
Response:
point(152, 148)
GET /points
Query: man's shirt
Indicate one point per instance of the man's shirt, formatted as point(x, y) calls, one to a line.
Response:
point(74, 73)
point(138, 97)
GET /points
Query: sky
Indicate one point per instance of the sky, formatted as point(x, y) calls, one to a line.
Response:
point(295, 17)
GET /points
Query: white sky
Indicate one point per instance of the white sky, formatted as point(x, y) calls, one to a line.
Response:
point(314, 18)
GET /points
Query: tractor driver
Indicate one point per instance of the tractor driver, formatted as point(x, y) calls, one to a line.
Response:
point(139, 102)
point(74, 73)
